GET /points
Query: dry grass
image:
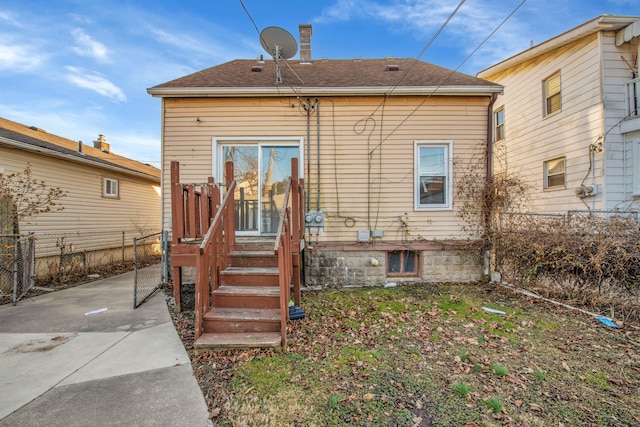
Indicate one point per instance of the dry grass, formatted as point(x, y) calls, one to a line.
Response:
point(421, 355)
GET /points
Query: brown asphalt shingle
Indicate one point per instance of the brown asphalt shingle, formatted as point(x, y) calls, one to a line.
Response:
point(57, 144)
point(325, 74)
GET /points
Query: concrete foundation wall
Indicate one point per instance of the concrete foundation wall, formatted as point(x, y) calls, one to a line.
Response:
point(324, 268)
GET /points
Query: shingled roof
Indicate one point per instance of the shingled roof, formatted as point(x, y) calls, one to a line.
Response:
point(340, 77)
point(33, 139)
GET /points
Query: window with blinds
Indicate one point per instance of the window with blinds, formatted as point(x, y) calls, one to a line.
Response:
point(552, 94)
point(554, 173)
point(499, 125)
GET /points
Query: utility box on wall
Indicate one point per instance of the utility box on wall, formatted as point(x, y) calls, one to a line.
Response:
point(314, 222)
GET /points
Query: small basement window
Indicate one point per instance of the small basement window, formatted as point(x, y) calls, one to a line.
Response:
point(110, 188)
point(402, 263)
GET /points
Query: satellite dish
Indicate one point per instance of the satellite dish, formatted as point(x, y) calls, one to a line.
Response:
point(278, 43)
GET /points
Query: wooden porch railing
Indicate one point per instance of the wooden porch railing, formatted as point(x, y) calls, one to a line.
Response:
point(204, 237)
point(192, 208)
point(212, 256)
point(287, 246)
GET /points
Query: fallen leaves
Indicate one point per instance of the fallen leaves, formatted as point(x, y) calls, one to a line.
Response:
point(394, 354)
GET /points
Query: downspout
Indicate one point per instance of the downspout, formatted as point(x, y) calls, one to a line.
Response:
point(317, 107)
point(308, 108)
point(488, 183)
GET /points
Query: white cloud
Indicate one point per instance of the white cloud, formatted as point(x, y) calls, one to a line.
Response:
point(199, 48)
point(96, 83)
point(6, 17)
point(86, 46)
point(472, 23)
point(17, 57)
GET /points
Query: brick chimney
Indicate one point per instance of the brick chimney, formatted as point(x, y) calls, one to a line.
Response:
point(305, 42)
point(102, 144)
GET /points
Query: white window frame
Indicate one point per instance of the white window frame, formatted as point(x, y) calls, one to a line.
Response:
point(547, 175)
point(547, 95)
point(447, 146)
point(498, 126)
point(108, 188)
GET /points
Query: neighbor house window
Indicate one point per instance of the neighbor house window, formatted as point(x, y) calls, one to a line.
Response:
point(552, 94)
point(499, 119)
point(554, 173)
point(433, 175)
point(110, 187)
point(402, 263)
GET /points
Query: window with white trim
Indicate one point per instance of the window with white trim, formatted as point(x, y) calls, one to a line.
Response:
point(552, 94)
point(499, 124)
point(554, 173)
point(110, 188)
point(432, 182)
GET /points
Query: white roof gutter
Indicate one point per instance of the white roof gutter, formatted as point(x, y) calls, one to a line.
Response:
point(194, 92)
point(87, 161)
point(602, 23)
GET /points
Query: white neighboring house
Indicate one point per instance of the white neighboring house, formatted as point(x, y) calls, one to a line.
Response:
point(568, 121)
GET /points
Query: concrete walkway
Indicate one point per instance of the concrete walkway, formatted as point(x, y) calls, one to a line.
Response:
point(84, 357)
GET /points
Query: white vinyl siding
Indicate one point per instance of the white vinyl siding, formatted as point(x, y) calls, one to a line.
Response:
point(552, 94)
point(533, 139)
point(433, 175)
point(636, 168)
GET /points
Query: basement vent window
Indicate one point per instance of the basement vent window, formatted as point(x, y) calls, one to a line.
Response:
point(392, 67)
point(256, 69)
point(402, 263)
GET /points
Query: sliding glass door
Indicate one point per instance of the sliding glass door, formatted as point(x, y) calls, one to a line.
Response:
point(261, 171)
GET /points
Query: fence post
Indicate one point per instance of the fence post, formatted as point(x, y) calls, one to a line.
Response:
point(135, 272)
point(32, 259)
point(165, 256)
point(15, 270)
point(123, 247)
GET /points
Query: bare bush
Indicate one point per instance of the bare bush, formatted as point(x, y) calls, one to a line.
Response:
point(590, 260)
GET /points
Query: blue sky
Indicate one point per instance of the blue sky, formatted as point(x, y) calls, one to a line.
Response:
point(79, 68)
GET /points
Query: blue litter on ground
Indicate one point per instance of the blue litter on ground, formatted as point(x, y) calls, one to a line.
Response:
point(296, 312)
point(607, 322)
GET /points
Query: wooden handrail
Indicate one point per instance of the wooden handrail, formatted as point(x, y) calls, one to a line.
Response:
point(212, 255)
point(285, 205)
point(218, 218)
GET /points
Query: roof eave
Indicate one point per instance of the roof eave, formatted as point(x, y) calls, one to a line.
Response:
point(84, 160)
point(601, 23)
point(198, 92)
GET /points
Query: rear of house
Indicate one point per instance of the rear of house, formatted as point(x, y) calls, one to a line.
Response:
point(381, 144)
point(568, 120)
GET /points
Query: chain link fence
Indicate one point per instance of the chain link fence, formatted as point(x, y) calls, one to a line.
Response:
point(150, 274)
point(59, 260)
point(17, 265)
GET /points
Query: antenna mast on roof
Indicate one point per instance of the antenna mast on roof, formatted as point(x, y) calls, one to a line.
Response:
point(280, 44)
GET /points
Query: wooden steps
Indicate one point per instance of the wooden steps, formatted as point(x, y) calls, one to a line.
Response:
point(254, 258)
point(210, 341)
point(246, 305)
point(222, 319)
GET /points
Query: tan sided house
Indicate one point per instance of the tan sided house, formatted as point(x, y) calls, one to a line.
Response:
point(379, 141)
point(568, 121)
point(106, 194)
